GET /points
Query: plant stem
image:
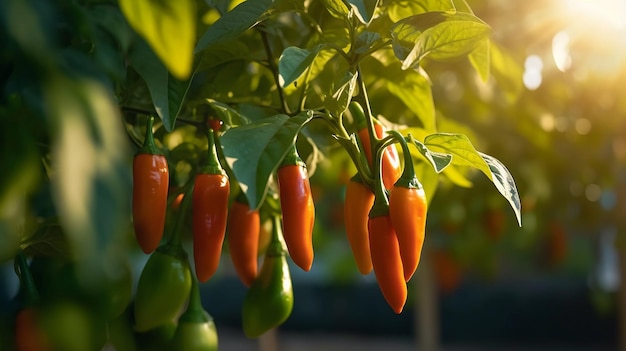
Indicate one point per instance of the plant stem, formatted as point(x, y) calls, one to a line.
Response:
point(274, 69)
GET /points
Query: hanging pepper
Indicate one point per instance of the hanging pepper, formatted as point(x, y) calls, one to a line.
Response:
point(210, 214)
point(385, 251)
point(269, 301)
point(196, 329)
point(244, 227)
point(150, 185)
point(390, 161)
point(165, 280)
point(298, 209)
point(357, 205)
point(407, 208)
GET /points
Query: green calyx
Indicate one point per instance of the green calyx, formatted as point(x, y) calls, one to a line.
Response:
point(149, 147)
point(174, 250)
point(292, 158)
point(195, 312)
point(277, 246)
point(380, 207)
point(213, 166)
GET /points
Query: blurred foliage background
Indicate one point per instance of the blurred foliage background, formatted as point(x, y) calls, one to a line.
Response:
point(553, 111)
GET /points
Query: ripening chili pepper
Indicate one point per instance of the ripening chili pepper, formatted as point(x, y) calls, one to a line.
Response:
point(390, 162)
point(296, 203)
point(357, 205)
point(150, 185)
point(269, 301)
point(196, 329)
point(210, 214)
point(386, 260)
point(244, 227)
point(407, 209)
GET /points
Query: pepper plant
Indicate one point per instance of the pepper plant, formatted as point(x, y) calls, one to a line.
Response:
point(248, 96)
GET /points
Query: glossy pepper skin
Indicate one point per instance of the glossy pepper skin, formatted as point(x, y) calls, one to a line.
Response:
point(407, 209)
point(386, 261)
point(163, 288)
point(357, 205)
point(269, 301)
point(390, 161)
point(298, 210)
point(150, 186)
point(244, 227)
point(209, 214)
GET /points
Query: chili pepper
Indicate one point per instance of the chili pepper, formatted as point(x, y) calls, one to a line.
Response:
point(269, 301)
point(357, 205)
point(296, 203)
point(243, 228)
point(163, 287)
point(407, 209)
point(210, 214)
point(196, 329)
point(29, 335)
point(390, 161)
point(386, 260)
point(150, 185)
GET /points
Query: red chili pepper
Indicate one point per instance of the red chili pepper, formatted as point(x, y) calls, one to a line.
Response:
point(357, 205)
point(407, 209)
point(210, 213)
point(243, 228)
point(386, 258)
point(150, 186)
point(298, 209)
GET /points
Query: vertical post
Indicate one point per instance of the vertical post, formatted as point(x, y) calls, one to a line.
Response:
point(269, 341)
point(427, 304)
point(621, 317)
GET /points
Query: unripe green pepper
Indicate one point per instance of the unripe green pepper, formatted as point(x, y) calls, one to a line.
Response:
point(269, 300)
point(163, 287)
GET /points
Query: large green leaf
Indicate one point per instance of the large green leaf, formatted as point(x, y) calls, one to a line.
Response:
point(167, 92)
point(441, 35)
point(170, 29)
point(464, 154)
point(227, 114)
point(293, 62)
point(364, 9)
point(90, 155)
point(254, 151)
point(438, 160)
point(342, 91)
point(243, 17)
point(480, 59)
point(400, 9)
point(336, 8)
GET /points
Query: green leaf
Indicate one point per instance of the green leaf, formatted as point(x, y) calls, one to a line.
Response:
point(92, 181)
point(243, 17)
point(504, 182)
point(167, 92)
point(464, 154)
point(405, 8)
point(254, 151)
point(293, 62)
point(336, 8)
point(507, 73)
point(438, 160)
point(460, 147)
point(365, 41)
point(364, 9)
point(442, 35)
point(222, 53)
point(227, 114)
point(170, 29)
point(480, 59)
point(342, 95)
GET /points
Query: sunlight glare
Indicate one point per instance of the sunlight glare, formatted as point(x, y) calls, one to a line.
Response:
point(561, 51)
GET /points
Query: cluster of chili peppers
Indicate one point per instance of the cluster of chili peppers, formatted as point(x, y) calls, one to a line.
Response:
point(385, 221)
